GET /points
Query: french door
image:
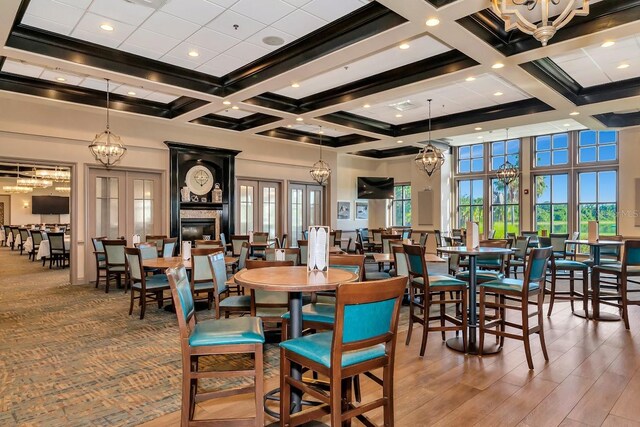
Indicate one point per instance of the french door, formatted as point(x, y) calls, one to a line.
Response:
point(259, 205)
point(306, 208)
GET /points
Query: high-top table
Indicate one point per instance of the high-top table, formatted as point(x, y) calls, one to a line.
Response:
point(595, 246)
point(472, 253)
point(295, 281)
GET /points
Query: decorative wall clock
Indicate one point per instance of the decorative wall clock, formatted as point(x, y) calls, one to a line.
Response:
point(199, 180)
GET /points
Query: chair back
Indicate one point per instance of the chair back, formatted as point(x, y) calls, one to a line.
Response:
point(438, 235)
point(352, 263)
point(304, 251)
point(338, 237)
point(185, 307)
point(558, 243)
point(493, 261)
point(218, 269)
point(512, 237)
point(283, 241)
point(156, 240)
point(272, 302)
point(236, 243)
point(134, 264)
point(376, 235)
point(169, 246)
point(533, 236)
point(148, 250)
point(406, 234)
point(244, 254)
point(456, 232)
point(200, 268)
point(536, 271)
point(416, 264)
point(332, 239)
point(544, 242)
point(260, 237)
point(223, 241)
point(290, 254)
point(400, 260)
point(208, 244)
point(277, 245)
point(386, 238)
point(631, 255)
point(491, 234)
point(113, 250)
point(24, 234)
point(520, 247)
point(423, 239)
point(36, 236)
point(367, 315)
point(611, 251)
point(56, 242)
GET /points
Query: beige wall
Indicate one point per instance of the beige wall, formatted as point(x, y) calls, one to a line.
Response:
point(629, 171)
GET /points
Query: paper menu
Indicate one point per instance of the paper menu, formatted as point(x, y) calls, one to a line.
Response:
point(594, 231)
point(473, 235)
point(318, 249)
point(186, 251)
point(280, 255)
point(135, 239)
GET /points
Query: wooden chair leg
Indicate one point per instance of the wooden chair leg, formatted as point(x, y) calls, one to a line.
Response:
point(336, 397)
point(572, 290)
point(259, 384)
point(541, 326)
point(552, 298)
point(387, 393)
point(481, 321)
point(442, 313)
point(585, 293)
point(412, 295)
point(143, 299)
point(285, 390)
point(426, 302)
point(131, 305)
point(186, 392)
point(525, 333)
point(465, 323)
point(625, 303)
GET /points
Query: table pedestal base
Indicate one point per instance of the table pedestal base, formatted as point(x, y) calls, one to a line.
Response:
point(603, 316)
point(490, 347)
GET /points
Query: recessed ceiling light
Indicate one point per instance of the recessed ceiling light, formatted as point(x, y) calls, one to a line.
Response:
point(193, 54)
point(299, 119)
point(106, 27)
point(478, 128)
point(132, 93)
point(398, 115)
point(470, 79)
point(481, 137)
point(608, 43)
point(273, 40)
point(61, 79)
point(567, 125)
point(623, 66)
point(574, 113)
point(295, 85)
point(366, 105)
point(399, 141)
point(404, 46)
point(226, 102)
point(497, 65)
point(432, 22)
point(498, 94)
point(321, 132)
point(289, 126)
point(235, 107)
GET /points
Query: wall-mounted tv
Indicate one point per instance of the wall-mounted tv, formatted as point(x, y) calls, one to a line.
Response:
point(375, 188)
point(49, 205)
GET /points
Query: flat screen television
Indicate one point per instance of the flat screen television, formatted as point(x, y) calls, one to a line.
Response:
point(49, 205)
point(375, 188)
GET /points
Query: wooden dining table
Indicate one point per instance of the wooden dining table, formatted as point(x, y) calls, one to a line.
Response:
point(295, 281)
point(383, 258)
point(168, 262)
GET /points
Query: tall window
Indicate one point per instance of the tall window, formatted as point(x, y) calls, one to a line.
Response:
point(597, 146)
point(505, 207)
point(269, 219)
point(551, 150)
point(598, 201)
point(246, 209)
point(471, 202)
point(401, 205)
point(502, 151)
point(471, 158)
point(552, 203)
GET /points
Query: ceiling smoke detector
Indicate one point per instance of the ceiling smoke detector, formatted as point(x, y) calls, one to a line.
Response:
point(273, 41)
point(403, 106)
point(154, 4)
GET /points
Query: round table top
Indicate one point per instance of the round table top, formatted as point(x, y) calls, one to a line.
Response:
point(293, 279)
point(600, 242)
point(463, 250)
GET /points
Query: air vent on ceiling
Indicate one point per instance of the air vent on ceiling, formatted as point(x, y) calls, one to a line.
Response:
point(403, 106)
point(154, 4)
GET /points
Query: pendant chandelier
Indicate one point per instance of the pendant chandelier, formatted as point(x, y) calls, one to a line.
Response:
point(430, 158)
point(107, 147)
point(33, 182)
point(64, 189)
point(517, 13)
point(16, 189)
point(320, 171)
point(55, 175)
point(507, 173)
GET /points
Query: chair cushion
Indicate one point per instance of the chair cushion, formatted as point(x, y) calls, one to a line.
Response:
point(565, 264)
point(603, 261)
point(203, 286)
point(377, 275)
point(318, 312)
point(317, 348)
point(481, 275)
point(516, 263)
point(509, 285)
point(236, 301)
point(440, 280)
point(489, 262)
point(270, 311)
point(241, 330)
point(617, 268)
point(116, 268)
point(154, 282)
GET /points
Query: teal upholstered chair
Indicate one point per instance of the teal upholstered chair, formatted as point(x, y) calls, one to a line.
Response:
point(169, 246)
point(143, 288)
point(100, 257)
point(303, 245)
point(559, 244)
point(156, 240)
point(58, 252)
point(425, 291)
point(608, 254)
point(202, 276)
point(242, 260)
point(269, 305)
point(236, 243)
point(362, 341)
point(240, 335)
point(629, 267)
point(562, 268)
point(520, 292)
point(114, 261)
point(223, 242)
point(488, 267)
point(290, 254)
point(230, 304)
point(423, 239)
point(519, 257)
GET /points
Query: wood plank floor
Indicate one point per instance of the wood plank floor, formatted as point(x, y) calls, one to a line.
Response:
point(592, 378)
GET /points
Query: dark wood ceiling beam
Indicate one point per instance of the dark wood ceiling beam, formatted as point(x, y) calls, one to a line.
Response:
point(355, 121)
point(312, 138)
point(389, 152)
point(244, 123)
point(618, 120)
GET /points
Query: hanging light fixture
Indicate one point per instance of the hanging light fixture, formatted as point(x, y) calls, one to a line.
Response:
point(107, 147)
point(320, 171)
point(507, 173)
point(55, 175)
point(430, 158)
point(64, 189)
point(535, 16)
point(16, 189)
point(33, 182)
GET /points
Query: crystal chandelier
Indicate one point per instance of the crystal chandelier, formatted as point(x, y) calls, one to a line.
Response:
point(64, 189)
point(55, 175)
point(107, 147)
point(535, 16)
point(320, 171)
point(17, 189)
point(430, 158)
point(33, 182)
point(508, 172)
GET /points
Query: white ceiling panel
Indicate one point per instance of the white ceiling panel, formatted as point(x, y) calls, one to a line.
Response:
point(517, 132)
point(265, 11)
point(180, 55)
point(393, 57)
point(22, 68)
point(299, 23)
point(224, 3)
point(330, 10)
point(212, 40)
point(170, 25)
point(83, 4)
point(235, 114)
point(197, 11)
point(99, 84)
point(297, 3)
point(235, 25)
point(317, 129)
point(54, 11)
point(122, 11)
point(595, 65)
point(45, 24)
point(247, 51)
point(137, 50)
point(163, 98)
point(89, 29)
point(54, 75)
point(152, 41)
point(221, 65)
point(448, 99)
point(258, 37)
point(135, 92)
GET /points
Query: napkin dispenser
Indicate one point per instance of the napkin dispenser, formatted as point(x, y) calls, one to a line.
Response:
point(186, 251)
point(473, 235)
point(280, 255)
point(594, 231)
point(318, 249)
point(135, 240)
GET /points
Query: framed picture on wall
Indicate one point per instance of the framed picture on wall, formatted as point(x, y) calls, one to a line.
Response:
point(344, 210)
point(362, 210)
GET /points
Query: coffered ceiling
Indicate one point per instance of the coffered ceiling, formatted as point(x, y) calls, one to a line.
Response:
point(357, 74)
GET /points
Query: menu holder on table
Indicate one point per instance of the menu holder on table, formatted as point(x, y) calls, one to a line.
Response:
point(251, 237)
point(318, 249)
point(280, 255)
point(473, 235)
point(594, 231)
point(186, 251)
point(135, 240)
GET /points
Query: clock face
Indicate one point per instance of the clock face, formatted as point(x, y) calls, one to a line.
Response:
point(199, 180)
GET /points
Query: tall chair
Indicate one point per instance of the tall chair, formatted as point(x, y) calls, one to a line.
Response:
point(24, 235)
point(169, 246)
point(304, 251)
point(491, 234)
point(241, 335)
point(236, 243)
point(202, 276)
point(98, 252)
point(332, 239)
point(14, 234)
point(223, 242)
point(562, 268)
point(489, 267)
point(269, 305)
point(338, 240)
point(572, 248)
point(36, 239)
point(519, 257)
point(260, 237)
point(629, 267)
point(283, 242)
point(423, 290)
point(608, 254)
point(58, 251)
point(363, 340)
point(114, 261)
point(239, 304)
point(149, 288)
point(519, 292)
point(423, 239)
point(290, 254)
point(559, 244)
point(156, 240)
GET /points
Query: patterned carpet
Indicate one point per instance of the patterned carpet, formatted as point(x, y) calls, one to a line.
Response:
point(71, 355)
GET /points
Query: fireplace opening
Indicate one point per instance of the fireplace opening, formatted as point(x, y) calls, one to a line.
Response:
point(197, 229)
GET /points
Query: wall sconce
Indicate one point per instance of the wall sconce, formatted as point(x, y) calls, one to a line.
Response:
point(26, 205)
